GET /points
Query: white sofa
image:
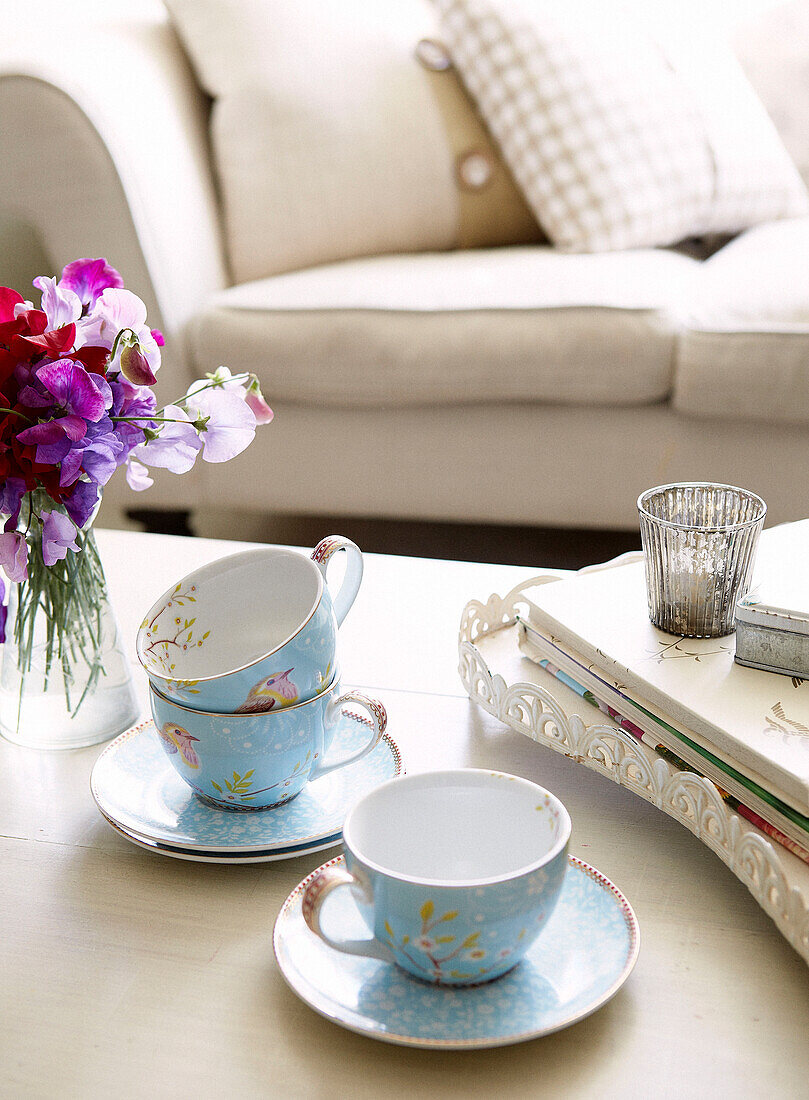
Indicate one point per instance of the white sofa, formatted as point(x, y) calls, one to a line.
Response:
point(510, 385)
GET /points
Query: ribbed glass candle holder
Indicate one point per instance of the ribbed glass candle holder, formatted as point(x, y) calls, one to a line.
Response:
point(699, 545)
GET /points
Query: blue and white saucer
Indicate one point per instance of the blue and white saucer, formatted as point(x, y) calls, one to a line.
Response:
point(140, 794)
point(583, 956)
point(197, 855)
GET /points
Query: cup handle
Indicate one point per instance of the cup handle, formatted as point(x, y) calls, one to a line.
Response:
point(330, 878)
point(379, 720)
point(322, 555)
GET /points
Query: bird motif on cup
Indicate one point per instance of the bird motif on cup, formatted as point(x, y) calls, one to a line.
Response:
point(273, 690)
point(176, 739)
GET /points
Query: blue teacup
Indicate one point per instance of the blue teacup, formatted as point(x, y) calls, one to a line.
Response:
point(258, 761)
point(455, 873)
point(252, 632)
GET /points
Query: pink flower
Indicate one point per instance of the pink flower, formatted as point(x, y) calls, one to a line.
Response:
point(115, 311)
point(255, 401)
point(14, 555)
point(58, 536)
point(88, 278)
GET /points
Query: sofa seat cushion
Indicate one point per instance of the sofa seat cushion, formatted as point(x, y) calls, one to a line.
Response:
point(513, 324)
point(744, 351)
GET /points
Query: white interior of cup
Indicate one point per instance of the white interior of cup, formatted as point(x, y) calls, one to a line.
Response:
point(457, 827)
point(249, 604)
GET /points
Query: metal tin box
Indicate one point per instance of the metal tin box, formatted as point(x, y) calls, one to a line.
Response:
point(772, 635)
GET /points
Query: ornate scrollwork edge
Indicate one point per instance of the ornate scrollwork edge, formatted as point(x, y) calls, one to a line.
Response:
point(688, 798)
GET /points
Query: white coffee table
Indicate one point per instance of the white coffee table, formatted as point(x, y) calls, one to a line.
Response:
point(123, 973)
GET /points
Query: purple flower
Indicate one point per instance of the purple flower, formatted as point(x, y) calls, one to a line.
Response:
point(88, 279)
point(158, 337)
point(11, 494)
point(226, 423)
point(51, 439)
point(176, 447)
point(3, 611)
point(58, 536)
point(14, 555)
point(75, 389)
point(60, 305)
point(82, 501)
point(137, 403)
point(137, 476)
point(98, 454)
point(84, 398)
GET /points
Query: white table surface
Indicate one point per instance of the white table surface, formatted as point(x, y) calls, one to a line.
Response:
point(127, 974)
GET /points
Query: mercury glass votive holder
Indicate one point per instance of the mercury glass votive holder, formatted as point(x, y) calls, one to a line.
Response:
point(699, 545)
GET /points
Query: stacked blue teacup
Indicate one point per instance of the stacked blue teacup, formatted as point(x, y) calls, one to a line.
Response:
point(241, 657)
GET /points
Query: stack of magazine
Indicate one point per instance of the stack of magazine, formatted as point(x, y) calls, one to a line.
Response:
point(744, 729)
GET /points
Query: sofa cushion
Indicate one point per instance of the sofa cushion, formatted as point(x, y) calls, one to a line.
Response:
point(625, 126)
point(341, 129)
point(744, 351)
point(517, 324)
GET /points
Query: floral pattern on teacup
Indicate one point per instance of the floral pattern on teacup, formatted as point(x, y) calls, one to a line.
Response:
point(169, 636)
point(548, 806)
point(436, 953)
point(237, 789)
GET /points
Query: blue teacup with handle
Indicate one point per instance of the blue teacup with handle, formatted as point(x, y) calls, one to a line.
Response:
point(262, 760)
point(252, 632)
point(454, 873)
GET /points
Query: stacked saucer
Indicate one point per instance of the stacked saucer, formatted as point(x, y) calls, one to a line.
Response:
point(144, 799)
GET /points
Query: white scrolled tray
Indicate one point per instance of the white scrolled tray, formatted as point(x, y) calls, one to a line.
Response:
point(502, 681)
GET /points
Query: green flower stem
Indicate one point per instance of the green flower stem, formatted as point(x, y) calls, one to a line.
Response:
point(15, 412)
point(59, 612)
point(118, 340)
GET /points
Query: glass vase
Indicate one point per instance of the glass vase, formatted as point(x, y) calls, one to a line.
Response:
point(65, 680)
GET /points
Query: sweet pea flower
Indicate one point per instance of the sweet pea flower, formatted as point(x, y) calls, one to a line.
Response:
point(134, 364)
point(22, 307)
point(9, 301)
point(11, 494)
point(116, 311)
point(60, 305)
point(137, 476)
point(82, 502)
point(246, 385)
point(14, 555)
point(83, 397)
point(135, 405)
point(176, 446)
point(220, 379)
point(226, 423)
point(98, 454)
point(255, 401)
point(88, 279)
point(58, 536)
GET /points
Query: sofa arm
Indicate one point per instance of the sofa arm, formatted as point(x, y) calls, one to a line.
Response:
point(105, 151)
